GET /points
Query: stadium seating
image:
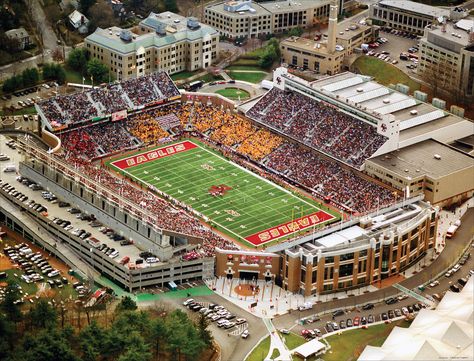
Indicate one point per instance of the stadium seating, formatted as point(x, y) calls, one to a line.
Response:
point(82, 106)
point(319, 125)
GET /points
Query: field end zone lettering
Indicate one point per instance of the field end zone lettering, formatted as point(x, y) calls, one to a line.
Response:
point(153, 154)
point(288, 228)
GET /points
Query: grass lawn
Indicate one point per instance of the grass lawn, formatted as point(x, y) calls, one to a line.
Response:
point(383, 72)
point(73, 76)
point(28, 110)
point(184, 75)
point(261, 351)
point(209, 78)
point(29, 288)
point(244, 67)
point(275, 353)
point(233, 93)
point(253, 77)
point(245, 207)
point(254, 53)
point(350, 344)
point(293, 340)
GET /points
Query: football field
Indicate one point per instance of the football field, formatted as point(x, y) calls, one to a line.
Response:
point(236, 201)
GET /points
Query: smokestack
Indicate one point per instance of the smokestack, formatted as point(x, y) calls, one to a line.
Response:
point(332, 28)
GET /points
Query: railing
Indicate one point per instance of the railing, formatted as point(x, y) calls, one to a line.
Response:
point(101, 191)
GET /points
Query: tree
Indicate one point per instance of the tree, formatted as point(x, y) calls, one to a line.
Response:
point(8, 306)
point(136, 348)
point(30, 77)
point(42, 315)
point(158, 333)
point(153, 5)
point(127, 304)
point(54, 72)
point(98, 71)
point(296, 32)
point(101, 15)
point(85, 5)
point(266, 60)
point(77, 60)
point(204, 333)
point(13, 83)
point(170, 5)
point(47, 345)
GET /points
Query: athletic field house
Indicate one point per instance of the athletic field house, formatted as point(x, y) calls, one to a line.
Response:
point(189, 186)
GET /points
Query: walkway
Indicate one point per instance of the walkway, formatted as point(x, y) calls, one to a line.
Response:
point(276, 342)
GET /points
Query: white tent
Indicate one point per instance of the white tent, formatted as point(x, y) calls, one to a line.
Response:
point(440, 334)
point(309, 348)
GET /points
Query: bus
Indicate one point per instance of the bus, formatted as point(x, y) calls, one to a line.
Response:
point(195, 85)
point(452, 229)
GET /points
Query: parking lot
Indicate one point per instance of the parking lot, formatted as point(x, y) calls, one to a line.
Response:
point(395, 45)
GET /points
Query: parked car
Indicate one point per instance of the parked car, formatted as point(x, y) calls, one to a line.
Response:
point(245, 334)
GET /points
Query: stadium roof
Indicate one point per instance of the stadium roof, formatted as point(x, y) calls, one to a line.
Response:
point(440, 334)
point(377, 100)
point(411, 6)
point(429, 157)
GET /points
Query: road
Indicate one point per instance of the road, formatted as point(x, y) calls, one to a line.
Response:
point(235, 348)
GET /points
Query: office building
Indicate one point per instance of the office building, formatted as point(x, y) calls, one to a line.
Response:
point(164, 41)
point(447, 51)
point(238, 19)
point(405, 15)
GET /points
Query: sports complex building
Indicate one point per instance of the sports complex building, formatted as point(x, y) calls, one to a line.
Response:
point(274, 189)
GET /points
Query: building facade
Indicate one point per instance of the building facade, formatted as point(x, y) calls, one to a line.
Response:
point(405, 15)
point(20, 36)
point(442, 173)
point(165, 41)
point(326, 57)
point(239, 19)
point(447, 50)
point(359, 255)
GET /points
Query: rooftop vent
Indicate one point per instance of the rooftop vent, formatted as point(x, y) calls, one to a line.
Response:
point(126, 36)
point(406, 170)
point(193, 24)
point(437, 156)
point(161, 30)
point(386, 101)
point(413, 112)
point(360, 90)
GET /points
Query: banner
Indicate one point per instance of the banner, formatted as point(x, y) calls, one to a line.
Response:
point(122, 114)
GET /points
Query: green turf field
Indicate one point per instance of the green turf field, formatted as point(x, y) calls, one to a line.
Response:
point(251, 206)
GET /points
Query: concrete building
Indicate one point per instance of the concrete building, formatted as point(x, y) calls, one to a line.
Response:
point(78, 21)
point(164, 41)
point(442, 173)
point(354, 254)
point(326, 56)
point(405, 15)
point(447, 57)
point(20, 36)
point(244, 18)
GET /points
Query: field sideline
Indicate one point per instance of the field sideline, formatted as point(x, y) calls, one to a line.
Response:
point(247, 207)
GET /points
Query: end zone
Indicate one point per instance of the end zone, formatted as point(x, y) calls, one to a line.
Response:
point(153, 154)
point(288, 228)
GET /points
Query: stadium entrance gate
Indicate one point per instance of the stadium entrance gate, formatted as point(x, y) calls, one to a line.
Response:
point(248, 275)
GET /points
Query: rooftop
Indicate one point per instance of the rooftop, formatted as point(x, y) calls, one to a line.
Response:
point(453, 32)
point(237, 8)
point(174, 29)
point(415, 7)
point(430, 158)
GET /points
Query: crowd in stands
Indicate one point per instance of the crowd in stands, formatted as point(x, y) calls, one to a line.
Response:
point(260, 144)
point(328, 178)
point(145, 127)
point(103, 101)
point(165, 215)
point(319, 125)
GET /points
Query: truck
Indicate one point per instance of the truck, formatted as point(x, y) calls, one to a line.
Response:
point(452, 229)
point(306, 306)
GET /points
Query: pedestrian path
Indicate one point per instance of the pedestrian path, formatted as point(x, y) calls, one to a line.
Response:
point(276, 342)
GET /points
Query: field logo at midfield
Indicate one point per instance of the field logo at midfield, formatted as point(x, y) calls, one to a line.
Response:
point(153, 154)
point(296, 225)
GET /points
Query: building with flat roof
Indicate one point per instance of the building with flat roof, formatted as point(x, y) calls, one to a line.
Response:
point(447, 57)
point(317, 55)
point(20, 36)
point(442, 173)
point(245, 18)
point(405, 15)
point(164, 41)
point(354, 254)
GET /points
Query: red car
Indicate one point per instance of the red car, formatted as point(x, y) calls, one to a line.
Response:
point(356, 321)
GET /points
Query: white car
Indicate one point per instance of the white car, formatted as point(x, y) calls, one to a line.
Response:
point(245, 334)
point(434, 284)
point(188, 301)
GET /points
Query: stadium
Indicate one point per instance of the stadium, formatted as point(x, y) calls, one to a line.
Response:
point(188, 177)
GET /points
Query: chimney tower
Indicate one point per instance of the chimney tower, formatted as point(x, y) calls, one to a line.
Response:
point(332, 27)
